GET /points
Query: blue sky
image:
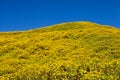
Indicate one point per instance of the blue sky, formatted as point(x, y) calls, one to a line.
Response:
point(30, 14)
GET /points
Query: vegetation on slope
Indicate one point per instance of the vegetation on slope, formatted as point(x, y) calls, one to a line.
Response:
point(68, 51)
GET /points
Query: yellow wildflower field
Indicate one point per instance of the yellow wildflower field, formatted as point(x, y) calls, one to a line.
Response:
point(67, 51)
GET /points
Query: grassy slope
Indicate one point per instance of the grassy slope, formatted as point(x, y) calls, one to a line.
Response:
point(71, 51)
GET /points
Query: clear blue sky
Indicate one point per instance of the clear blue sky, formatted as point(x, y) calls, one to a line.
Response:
point(30, 14)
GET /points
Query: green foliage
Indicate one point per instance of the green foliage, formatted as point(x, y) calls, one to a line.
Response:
point(68, 51)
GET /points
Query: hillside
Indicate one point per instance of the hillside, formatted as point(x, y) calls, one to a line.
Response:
point(67, 51)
